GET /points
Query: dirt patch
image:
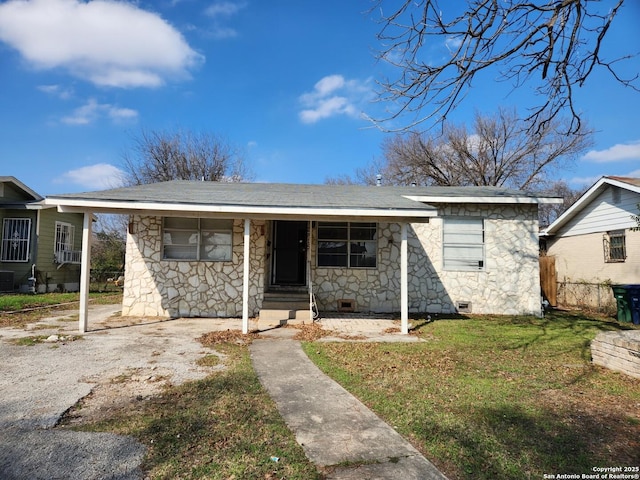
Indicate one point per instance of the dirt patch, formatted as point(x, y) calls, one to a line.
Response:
point(127, 391)
point(227, 336)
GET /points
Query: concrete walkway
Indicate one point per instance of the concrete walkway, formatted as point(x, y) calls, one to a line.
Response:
point(333, 427)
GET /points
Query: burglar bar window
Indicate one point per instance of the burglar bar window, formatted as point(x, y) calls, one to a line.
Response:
point(64, 237)
point(615, 248)
point(16, 235)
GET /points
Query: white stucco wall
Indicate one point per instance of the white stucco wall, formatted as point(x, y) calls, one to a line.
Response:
point(580, 258)
point(509, 283)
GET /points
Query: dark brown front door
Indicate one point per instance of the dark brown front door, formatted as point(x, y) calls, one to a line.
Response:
point(289, 264)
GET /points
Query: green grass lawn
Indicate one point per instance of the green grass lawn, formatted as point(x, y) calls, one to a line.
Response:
point(497, 398)
point(41, 305)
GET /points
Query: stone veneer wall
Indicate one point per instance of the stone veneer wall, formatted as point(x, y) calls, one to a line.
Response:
point(510, 283)
point(169, 288)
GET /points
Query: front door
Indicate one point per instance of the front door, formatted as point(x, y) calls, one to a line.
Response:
point(289, 253)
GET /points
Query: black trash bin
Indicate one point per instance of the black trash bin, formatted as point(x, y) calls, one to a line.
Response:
point(633, 298)
point(622, 301)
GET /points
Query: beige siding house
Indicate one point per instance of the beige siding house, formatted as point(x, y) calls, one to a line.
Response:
point(593, 242)
point(239, 250)
point(38, 242)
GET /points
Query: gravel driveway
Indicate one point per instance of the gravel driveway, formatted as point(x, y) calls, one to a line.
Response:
point(39, 383)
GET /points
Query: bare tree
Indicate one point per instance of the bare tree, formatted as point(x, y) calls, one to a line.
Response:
point(551, 45)
point(363, 176)
point(549, 212)
point(159, 156)
point(499, 152)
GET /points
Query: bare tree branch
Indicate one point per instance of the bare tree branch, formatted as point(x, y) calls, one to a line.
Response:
point(159, 156)
point(500, 151)
point(551, 45)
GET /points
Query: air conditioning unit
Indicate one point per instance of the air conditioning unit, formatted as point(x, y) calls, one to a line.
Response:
point(6, 281)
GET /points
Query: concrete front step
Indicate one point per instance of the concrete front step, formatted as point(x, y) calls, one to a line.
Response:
point(277, 317)
point(285, 305)
point(282, 307)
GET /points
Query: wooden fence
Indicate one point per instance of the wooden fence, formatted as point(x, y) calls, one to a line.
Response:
point(548, 280)
point(566, 293)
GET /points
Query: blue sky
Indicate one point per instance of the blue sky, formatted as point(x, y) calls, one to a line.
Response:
point(288, 81)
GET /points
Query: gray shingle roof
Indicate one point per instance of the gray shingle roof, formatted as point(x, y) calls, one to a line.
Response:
point(292, 195)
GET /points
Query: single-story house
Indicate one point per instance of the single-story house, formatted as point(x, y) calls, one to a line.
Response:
point(39, 251)
point(223, 249)
point(593, 243)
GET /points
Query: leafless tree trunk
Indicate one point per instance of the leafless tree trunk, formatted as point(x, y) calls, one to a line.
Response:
point(440, 48)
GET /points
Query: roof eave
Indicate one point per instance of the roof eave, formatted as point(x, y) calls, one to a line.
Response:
point(586, 197)
point(37, 205)
point(484, 199)
point(35, 196)
point(234, 211)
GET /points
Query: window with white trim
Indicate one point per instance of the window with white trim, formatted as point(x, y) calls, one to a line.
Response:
point(463, 243)
point(350, 245)
point(64, 237)
point(201, 239)
point(615, 246)
point(16, 239)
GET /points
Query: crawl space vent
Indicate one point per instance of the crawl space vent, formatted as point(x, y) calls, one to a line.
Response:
point(463, 307)
point(346, 305)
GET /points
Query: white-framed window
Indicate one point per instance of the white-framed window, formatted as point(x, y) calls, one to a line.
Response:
point(350, 245)
point(201, 239)
point(463, 243)
point(615, 246)
point(16, 239)
point(64, 237)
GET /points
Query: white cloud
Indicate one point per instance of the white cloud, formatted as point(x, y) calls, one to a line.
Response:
point(453, 43)
point(224, 9)
point(57, 91)
point(100, 176)
point(327, 107)
point(620, 151)
point(333, 95)
point(92, 111)
point(106, 42)
point(584, 182)
point(221, 11)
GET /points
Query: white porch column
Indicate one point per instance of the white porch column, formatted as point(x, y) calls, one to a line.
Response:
point(85, 272)
point(404, 275)
point(245, 277)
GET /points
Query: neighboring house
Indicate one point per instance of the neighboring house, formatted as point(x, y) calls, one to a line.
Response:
point(593, 243)
point(226, 249)
point(37, 242)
